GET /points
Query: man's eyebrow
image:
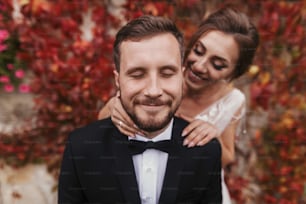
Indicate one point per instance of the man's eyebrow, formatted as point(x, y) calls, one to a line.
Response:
point(170, 66)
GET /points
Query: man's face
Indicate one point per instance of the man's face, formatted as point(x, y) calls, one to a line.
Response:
point(150, 80)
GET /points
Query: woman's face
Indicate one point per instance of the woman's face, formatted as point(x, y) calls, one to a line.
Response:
point(212, 58)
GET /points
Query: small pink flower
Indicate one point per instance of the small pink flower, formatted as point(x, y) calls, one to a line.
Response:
point(3, 35)
point(10, 66)
point(4, 79)
point(2, 47)
point(24, 88)
point(19, 73)
point(8, 88)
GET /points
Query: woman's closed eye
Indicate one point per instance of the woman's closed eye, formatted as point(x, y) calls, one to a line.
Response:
point(199, 49)
point(218, 63)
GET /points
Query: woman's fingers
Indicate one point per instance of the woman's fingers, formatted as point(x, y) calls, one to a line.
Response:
point(193, 125)
point(194, 136)
point(199, 133)
point(124, 127)
point(125, 124)
point(122, 121)
point(192, 130)
point(125, 131)
point(201, 140)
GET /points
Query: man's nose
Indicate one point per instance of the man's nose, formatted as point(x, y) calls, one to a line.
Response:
point(153, 87)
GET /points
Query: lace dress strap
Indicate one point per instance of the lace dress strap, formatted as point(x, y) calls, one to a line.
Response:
point(224, 111)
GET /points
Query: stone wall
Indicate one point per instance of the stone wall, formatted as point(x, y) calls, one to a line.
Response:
point(30, 184)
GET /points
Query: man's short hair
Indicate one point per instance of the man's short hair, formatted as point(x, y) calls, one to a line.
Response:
point(146, 26)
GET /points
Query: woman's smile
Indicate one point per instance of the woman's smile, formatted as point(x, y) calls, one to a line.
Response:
point(192, 76)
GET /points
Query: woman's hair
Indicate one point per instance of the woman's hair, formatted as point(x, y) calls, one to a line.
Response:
point(143, 27)
point(236, 24)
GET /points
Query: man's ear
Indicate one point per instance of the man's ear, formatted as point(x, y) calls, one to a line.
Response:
point(116, 75)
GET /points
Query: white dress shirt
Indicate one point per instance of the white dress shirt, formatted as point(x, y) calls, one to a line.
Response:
point(150, 167)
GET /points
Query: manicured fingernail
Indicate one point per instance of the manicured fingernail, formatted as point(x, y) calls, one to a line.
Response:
point(191, 144)
point(185, 142)
point(183, 134)
point(140, 133)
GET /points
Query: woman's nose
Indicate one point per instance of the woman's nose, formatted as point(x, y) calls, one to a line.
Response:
point(200, 65)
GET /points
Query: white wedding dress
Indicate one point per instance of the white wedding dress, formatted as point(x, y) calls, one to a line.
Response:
point(220, 114)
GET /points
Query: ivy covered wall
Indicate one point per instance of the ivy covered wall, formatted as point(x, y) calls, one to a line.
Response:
point(71, 79)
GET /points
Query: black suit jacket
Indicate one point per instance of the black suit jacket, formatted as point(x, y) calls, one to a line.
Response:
point(97, 167)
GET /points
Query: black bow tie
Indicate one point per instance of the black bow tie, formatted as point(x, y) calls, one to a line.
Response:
point(138, 147)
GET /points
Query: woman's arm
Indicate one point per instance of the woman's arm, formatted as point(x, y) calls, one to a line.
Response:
point(198, 132)
point(228, 136)
point(227, 141)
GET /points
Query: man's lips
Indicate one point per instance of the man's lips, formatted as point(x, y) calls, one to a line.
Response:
point(152, 102)
point(152, 108)
point(152, 105)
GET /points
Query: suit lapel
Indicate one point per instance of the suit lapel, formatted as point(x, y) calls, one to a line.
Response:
point(125, 169)
point(174, 165)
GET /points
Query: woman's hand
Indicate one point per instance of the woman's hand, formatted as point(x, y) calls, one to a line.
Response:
point(122, 121)
point(198, 132)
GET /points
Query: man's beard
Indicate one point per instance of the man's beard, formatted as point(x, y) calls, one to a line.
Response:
point(150, 125)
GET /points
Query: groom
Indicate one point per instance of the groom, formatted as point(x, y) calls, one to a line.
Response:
point(100, 165)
